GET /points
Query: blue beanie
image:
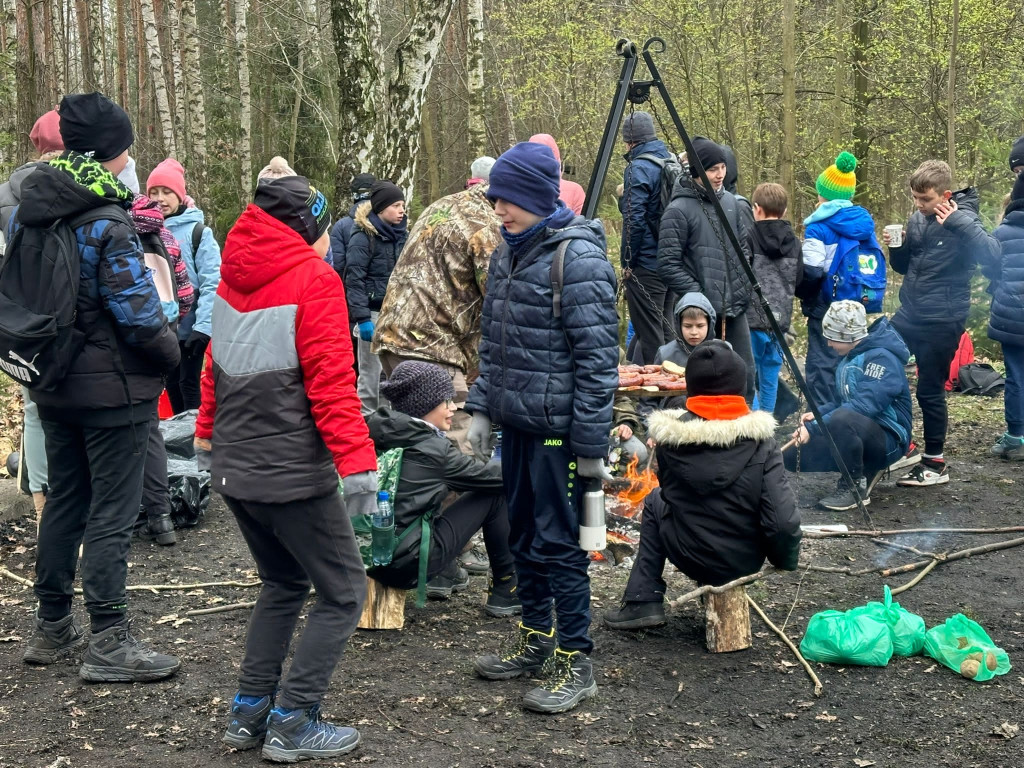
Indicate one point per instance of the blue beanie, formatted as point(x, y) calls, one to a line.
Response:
point(527, 175)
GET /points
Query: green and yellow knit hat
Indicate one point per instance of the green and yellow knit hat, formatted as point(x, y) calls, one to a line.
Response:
point(838, 181)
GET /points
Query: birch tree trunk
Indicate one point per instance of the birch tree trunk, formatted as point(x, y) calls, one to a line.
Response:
point(97, 43)
point(786, 169)
point(475, 77)
point(196, 98)
point(177, 78)
point(156, 71)
point(245, 99)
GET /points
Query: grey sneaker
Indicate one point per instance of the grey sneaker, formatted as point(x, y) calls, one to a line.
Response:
point(53, 640)
point(843, 499)
point(115, 656)
point(449, 581)
point(475, 561)
point(1009, 448)
point(300, 734)
point(571, 681)
point(248, 723)
point(525, 657)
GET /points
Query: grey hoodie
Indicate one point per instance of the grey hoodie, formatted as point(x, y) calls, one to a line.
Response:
point(678, 351)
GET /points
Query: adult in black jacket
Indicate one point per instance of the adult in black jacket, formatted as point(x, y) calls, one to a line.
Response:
point(724, 504)
point(422, 396)
point(341, 232)
point(694, 253)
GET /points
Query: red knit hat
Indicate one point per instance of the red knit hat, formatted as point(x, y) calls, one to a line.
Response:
point(168, 174)
point(45, 133)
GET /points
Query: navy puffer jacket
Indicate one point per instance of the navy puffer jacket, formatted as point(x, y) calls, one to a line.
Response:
point(543, 375)
point(1006, 324)
point(640, 205)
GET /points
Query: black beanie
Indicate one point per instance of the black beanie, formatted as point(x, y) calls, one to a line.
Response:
point(1017, 153)
point(715, 369)
point(708, 154)
point(1017, 193)
point(384, 193)
point(293, 201)
point(362, 183)
point(92, 123)
point(416, 388)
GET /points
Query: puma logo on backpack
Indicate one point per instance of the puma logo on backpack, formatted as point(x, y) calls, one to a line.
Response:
point(40, 272)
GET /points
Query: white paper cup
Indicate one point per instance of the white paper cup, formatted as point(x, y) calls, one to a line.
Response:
point(895, 235)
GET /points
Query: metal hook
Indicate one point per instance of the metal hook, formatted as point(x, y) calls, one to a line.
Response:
point(625, 48)
point(656, 44)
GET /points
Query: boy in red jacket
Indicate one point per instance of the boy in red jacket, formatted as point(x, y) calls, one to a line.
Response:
point(280, 408)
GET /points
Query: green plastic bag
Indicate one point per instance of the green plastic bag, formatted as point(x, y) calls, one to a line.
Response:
point(963, 646)
point(905, 628)
point(858, 636)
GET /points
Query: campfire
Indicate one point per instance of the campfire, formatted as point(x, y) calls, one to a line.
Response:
point(633, 487)
point(624, 503)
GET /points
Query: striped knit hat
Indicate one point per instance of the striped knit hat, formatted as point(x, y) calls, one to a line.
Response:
point(838, 181)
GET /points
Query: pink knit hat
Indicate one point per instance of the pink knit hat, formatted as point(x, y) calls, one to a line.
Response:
point(45, 133)
point(168, 174)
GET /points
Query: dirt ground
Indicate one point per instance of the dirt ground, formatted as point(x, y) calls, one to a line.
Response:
point(663, 700)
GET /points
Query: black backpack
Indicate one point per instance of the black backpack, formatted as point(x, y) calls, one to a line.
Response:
point(671, 170)
point(980, 379)
point(39, 280)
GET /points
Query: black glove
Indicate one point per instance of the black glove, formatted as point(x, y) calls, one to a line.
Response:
point(195, 345)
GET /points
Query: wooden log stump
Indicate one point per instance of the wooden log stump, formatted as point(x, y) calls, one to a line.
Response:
point(384, 607)
point(728, 620)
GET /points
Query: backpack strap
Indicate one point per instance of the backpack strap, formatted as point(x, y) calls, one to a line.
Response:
point(658, 161)
point(197, 237)
point(557, 268)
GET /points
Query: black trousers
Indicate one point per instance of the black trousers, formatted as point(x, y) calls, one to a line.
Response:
point(820, 366)
point(95, 476)
point(183, 382)
point(934, 347)
point(736, 331)
point(647, 581)
point(651, 306)
point(543, 495)
point(295, 544)
point(155, 499)
point(863, 444)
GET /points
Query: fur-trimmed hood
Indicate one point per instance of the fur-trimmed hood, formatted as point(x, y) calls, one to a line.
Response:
point(675, 428)
point(361, 217)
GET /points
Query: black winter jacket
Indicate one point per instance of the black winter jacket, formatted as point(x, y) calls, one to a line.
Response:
point(690, 249)
point(778, 266)
point(369, 261)
point(728, 502)
point(938, 261)
point(432, 467)
point(1006, 324)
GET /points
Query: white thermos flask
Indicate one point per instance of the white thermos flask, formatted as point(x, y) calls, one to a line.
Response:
point(593, 533)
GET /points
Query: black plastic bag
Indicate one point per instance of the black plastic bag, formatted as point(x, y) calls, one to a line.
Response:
point(980, 379)
point(187, 485)
point(179, 432)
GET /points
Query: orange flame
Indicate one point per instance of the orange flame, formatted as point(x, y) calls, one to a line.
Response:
point(641, 483)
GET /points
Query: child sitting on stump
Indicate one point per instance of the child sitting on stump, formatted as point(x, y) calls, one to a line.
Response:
point(422, 397)
point(724, 504)
point(869, 414)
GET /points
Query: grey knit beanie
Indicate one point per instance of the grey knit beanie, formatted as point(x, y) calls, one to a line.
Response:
point(416, 388)
point(638, 128)
point(481, 167)
point(845, 321)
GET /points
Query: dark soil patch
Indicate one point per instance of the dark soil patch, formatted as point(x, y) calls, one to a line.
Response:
point(663, 699)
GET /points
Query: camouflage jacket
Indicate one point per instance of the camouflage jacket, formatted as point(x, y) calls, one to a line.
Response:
point(435, 296)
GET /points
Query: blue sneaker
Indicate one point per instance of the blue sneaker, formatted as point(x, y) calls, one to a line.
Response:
point(299, 734)
point(248, 721)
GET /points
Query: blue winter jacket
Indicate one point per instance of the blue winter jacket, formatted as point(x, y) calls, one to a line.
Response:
point(203, 270)
point(539, 374)
point(640, 206)
point(871, 381)
point(824, 227)
point(1006, 324)
point(340, 234)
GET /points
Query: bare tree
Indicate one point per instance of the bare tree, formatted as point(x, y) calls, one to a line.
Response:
point(245, 98)
point(786, 165)
point(156, 71)
point(196, 96)
point(475, 76)
point(951, 89)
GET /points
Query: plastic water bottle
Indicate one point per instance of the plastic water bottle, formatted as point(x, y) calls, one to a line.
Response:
point(496, 452)
point(382, 542)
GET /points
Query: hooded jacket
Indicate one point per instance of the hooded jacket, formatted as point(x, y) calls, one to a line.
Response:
point(1006, 323)
point(341, 233)
point(203, 269)
point(778, 267)
point(694, 252)
point(728, 504)
point(544, 375)
point(369, 261)
point(278, 388)
point(828, 223)
point(10, 193)
point(432, 467)
point(127, 344)
point(678, 351)
point(569, 192)
point(870, 380)
point(640, 206)
point(938, 261)
point(436, 292)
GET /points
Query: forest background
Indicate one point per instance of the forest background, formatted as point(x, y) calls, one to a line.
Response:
point(415, 89)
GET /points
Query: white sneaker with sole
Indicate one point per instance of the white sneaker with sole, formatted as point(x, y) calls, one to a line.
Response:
point(925, 473)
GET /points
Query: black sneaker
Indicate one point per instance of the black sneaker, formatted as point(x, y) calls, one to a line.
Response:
point(571, 681)
point(843, 499)
point(928, 472)
point(525, 657)
point(159, 528)
point(502, 598)
point(248, 722)
point(300, 734)
point(636, 615)
point(449, 581)
point(115, 656)
point(53, 640)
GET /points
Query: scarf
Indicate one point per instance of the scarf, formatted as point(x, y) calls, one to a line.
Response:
point(90, 174)
point(520, 243)
point(392, 233)
point(717, 407)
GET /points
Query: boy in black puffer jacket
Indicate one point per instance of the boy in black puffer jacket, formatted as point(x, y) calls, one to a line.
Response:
point(724, 504)
point(423, 400)
point(943, 244)
point(377, 239)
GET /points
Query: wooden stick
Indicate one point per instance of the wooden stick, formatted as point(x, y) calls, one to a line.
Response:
point(788, 445)
point(220, 609)
point(796, 651)
point(906, 548)
point(700, 591)
point(15, 577)
point(898, 532)
point(913, 582)
point(147, 587)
